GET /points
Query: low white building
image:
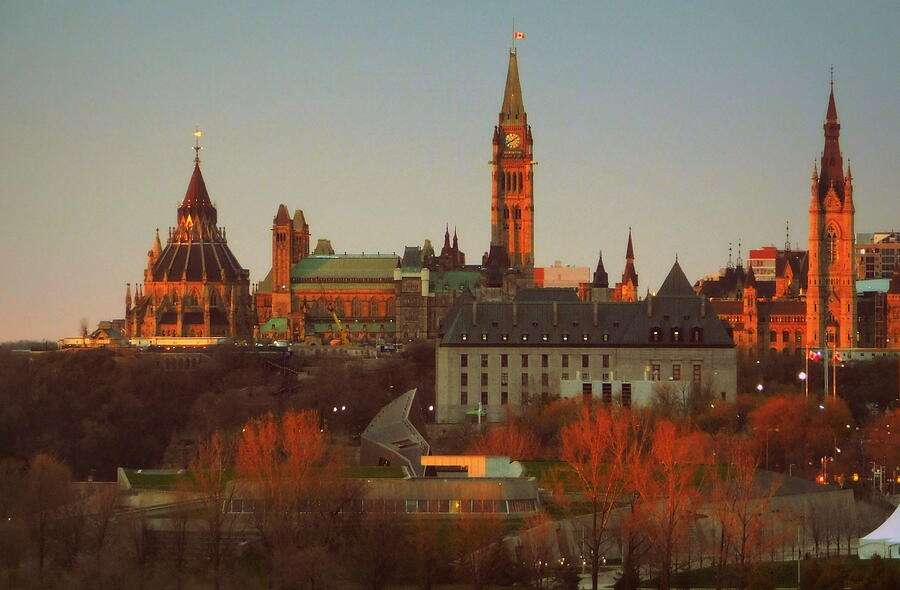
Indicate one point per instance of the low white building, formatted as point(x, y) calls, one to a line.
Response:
point(495, 356)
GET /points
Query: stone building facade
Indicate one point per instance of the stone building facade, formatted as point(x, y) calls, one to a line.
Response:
point(496, 356)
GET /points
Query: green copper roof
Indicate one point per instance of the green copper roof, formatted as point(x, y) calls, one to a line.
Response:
point(346, 266)
point(452, 280)
point(274, 325)
point(355, 327)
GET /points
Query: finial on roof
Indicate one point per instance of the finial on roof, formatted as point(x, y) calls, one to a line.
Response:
point(832, 77)
point(740, 261)
point(197, 147)
point(787, 235)
point(730, 263)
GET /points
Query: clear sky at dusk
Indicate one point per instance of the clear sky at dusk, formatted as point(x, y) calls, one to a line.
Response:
point(695, 123)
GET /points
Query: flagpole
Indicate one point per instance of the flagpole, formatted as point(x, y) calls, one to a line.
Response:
point(806, 381)
point(834, 374)
point(514, 34)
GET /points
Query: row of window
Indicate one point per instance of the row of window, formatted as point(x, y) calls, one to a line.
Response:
point(545, 360)
point(587, 391)
point(382, 505)
point(696, 375)
point(657, 336)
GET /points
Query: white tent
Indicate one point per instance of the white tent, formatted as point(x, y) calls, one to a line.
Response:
point(884, 541)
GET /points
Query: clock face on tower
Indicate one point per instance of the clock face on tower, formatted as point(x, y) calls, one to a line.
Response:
point(513, 140)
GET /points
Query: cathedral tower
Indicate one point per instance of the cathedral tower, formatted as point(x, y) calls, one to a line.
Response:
point(831, 298)
point(512, 208)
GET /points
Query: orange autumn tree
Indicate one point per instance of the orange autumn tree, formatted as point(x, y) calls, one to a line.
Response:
point(285, 465)
point(667, 483)
point(601, 448)
point(507, 439)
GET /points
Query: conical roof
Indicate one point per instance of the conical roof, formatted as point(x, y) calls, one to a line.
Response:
point(196, 209)
point(676, 284)
point(601, 278)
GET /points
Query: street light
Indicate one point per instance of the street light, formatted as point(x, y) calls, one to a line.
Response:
point(768, 430)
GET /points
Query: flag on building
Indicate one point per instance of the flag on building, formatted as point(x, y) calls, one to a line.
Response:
point(518, 35)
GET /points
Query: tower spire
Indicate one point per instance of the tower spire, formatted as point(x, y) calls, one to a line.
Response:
point(512, 112)
point(832, 168)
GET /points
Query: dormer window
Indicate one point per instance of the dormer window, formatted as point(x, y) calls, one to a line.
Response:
point(585, 337)
point(676, 335)
point(545, 337)
point(697, 335)
point(565, 337)
point(524, 337)
point(504, 337)
point(463, 336)
point(655, 334)
point(606, 336)
point(483, 337)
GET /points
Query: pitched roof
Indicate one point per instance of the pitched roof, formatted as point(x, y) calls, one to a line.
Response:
point(676, 284)
point(601, 279)
point(282, 217)
point(346, 266)
point(513, 109)
point(545, 294)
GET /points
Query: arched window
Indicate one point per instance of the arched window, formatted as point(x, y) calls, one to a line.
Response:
point(501, 181)
point(831, 244)
point(785, 336)
point(391, 307)
point(356, 307)
point(519, 182)
point(373, 307)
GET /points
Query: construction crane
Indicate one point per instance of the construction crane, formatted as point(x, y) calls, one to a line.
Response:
point(343, 340)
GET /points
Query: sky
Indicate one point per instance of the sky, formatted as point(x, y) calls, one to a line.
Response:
point(694, 123)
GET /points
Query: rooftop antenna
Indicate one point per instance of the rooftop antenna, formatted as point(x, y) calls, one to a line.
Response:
point(740, 261)
point(730, 263)
point(197, 147)
point(787, 235)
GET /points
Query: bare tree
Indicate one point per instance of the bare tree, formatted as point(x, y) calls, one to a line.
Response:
point(743, 508)
point(478, 551)
point(601, 449)
point(47, 488)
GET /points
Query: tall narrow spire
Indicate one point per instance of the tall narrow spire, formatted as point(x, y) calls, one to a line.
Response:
point(629, 252)
point(513, 110)
point(630, 274)
point(832, 168)
point(601, 278)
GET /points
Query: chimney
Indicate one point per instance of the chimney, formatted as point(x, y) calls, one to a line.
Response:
point(596, 314)
point(555, 313)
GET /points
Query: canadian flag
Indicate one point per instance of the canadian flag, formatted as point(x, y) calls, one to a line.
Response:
point(518, 35)
point(837, 357)
point(814, 355)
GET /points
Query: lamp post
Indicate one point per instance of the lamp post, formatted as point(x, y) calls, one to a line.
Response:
point(768, 430)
